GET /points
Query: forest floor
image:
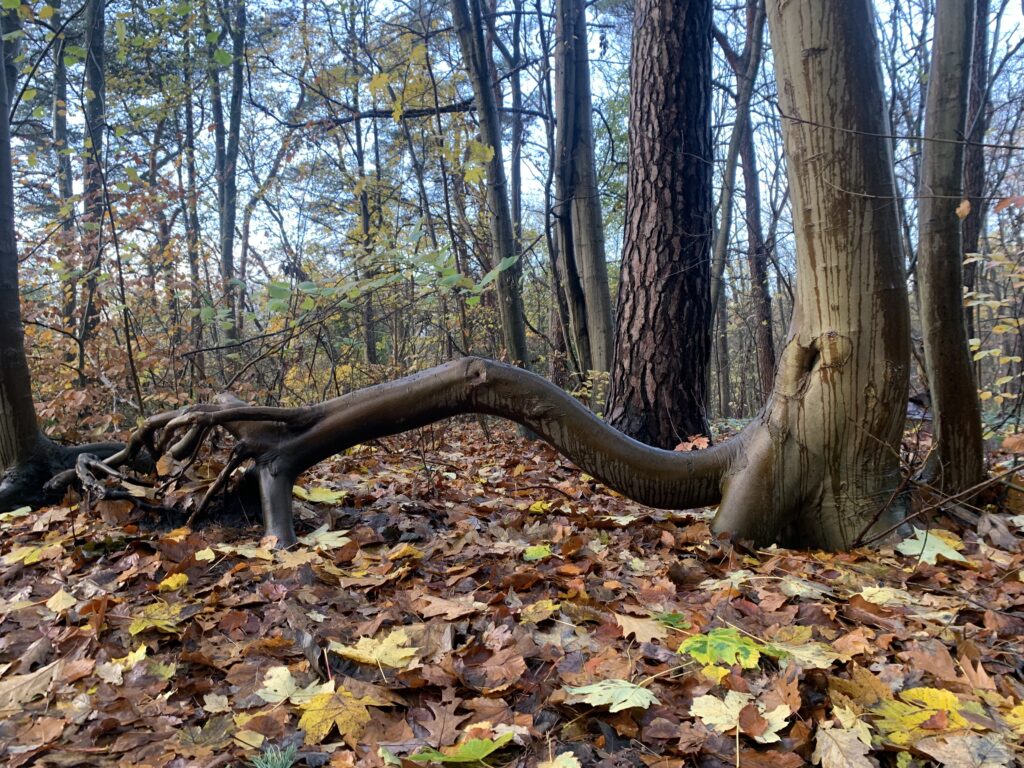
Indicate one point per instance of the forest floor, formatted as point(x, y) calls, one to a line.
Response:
point(467, 599)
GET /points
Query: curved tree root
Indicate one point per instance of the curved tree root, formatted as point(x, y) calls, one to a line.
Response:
point(46, 474)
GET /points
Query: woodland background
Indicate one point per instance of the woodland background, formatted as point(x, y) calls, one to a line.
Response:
point(289, 201)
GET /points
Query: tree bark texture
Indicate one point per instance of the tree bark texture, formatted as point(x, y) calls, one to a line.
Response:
point(822, 459)
point(94, 202)
point(578, 204)
point(468, 21)
point(658, 389)
point(955, 406)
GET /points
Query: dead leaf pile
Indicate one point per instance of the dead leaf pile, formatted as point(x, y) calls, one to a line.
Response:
point(487, 604)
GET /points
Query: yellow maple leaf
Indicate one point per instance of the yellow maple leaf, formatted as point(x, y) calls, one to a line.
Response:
point(279, 686)
point(133, 658)
point(902, 722)
point(339, 708)
point(392, 651)
point(160, 616)
point(1015, 719)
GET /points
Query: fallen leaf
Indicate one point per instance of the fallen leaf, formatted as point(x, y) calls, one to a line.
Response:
point(929, 546)
point(725, 715)
point(469, 751)
point(318, 495)
point(392, 651)
point(840, 748)
point(615, 694)
point(279, 686)
point(644, 630)
point(60, 601)
point(173, 583)
point(971, 750)
point(163, 617)
point(19, 690)
point(341, 709)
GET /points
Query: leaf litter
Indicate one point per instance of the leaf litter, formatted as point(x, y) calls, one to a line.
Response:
point(458, 600)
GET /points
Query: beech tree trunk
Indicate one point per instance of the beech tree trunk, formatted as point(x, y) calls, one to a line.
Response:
point(955, 406)
point(658, 388)
point(578, 205)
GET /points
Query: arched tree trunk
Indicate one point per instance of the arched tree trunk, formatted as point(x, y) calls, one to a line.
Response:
point(818, 467)
point(658, 388)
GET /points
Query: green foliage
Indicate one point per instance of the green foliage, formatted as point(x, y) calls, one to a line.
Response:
point(276, 757)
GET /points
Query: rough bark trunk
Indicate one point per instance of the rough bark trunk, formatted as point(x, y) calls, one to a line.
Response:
point(956, 410)
point(658, 389)
point(578, 207)
point(65, 191)
point(229, 171)
point(467, 17)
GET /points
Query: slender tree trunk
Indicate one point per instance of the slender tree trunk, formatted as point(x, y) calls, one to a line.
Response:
point(93, 193)
point(745, 67)
point(192, 230)
point(229, 210)
point(955, 407)
point(757, 261)
point(468, 21)
point(578, 207)
point(722, 361)
point(974, 153)
point(65, 191)
point(658, 390)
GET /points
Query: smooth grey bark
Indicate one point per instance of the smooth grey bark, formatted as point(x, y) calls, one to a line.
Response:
point(955, 406)
point(468, 21)
point(579, 224)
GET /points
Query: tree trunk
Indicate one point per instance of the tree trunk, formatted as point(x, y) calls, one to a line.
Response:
point(658, 389)
point(822, 459)
point(27, 457)
point(578, 207)
point(757, 261)
point(192, 231)
point(93, 191)
point(955, 407)
point(65, 191)
point(467, 17)
point(974, 153)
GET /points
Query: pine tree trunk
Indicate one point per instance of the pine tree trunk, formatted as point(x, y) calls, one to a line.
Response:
point(658, 390)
